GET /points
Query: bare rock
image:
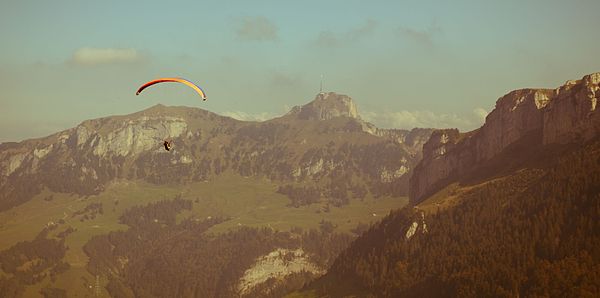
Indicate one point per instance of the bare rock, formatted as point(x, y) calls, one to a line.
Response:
point(326, 106)
point(563, 115)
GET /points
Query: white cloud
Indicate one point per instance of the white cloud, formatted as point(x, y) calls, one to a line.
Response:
point(95, 56)
point(243, 116)
point(426, 119)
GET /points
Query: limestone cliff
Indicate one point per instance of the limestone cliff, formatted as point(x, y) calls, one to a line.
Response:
point(539, 116)
point(573, 114)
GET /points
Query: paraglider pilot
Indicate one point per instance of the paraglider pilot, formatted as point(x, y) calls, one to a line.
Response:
point(168, 145)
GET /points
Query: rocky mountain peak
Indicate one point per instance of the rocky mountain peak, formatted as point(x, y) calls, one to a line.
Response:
point(588, 80)
point(593, 78)
point(525, 99)
point(325, 106)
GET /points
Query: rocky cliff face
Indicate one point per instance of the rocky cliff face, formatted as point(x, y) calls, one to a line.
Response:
point(275, 266)
point(516, 114)
point(538, 116)
point(83, 159)
point(325, 106)
point(573, 115)
point(321, 143)
point(413, 139)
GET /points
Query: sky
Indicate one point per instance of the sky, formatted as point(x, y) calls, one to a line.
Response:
point(406, 63)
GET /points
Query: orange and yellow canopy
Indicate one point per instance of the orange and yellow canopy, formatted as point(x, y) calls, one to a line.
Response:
point(175, 80)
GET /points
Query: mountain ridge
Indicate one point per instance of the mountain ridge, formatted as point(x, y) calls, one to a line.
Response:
point(287, 149)
point(549, 116)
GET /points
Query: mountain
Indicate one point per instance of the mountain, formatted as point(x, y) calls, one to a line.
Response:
point(236, 208)
point(327, 105)
point(321, 141)
point(508, 210)
point(523, 121)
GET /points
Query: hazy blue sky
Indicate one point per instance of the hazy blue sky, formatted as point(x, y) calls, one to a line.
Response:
point(405, 63)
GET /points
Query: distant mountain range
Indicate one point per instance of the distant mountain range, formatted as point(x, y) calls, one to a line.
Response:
point(324, 143)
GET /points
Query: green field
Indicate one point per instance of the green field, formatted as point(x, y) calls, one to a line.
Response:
point(247, 201)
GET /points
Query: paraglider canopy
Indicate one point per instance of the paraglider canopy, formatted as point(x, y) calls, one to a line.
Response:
point(174, 80)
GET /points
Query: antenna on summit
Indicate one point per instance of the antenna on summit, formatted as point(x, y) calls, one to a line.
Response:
point(321, 89)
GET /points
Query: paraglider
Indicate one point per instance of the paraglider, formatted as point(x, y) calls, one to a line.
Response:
point(174, 80)
point(169, 144)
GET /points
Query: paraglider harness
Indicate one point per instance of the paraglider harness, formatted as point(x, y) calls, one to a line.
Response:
point(168, 145)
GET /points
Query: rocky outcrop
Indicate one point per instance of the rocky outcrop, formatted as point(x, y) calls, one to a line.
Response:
point(515, 115)
point(540, 116)
point(388, 176)
point(277, 265)
point(573, 114)
point(312, 168)
point(325, 106)
point(415, 228)
point(414, 139)
point(444, 158)
point(330, 105)
point(132, 137)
